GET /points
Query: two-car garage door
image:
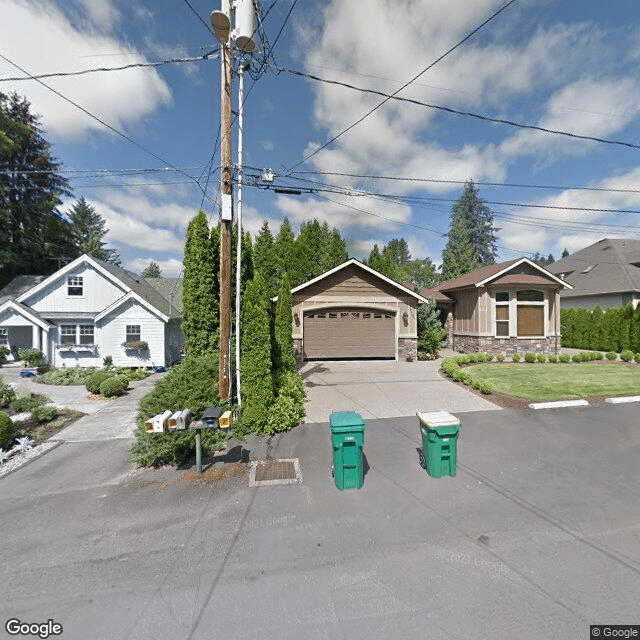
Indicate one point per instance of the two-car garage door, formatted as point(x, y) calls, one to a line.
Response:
point(342, 333)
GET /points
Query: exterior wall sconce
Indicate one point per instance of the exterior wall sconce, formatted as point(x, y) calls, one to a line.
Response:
point(405, 317)
point(296, 318)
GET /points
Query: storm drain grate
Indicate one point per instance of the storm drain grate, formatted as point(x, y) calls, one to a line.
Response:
point(267, 472)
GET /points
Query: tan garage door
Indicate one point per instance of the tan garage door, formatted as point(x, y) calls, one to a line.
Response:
point(338, 334)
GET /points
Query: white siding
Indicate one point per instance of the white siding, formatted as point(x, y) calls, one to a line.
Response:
point(174, 341)
point(112, 330)
point(98, 293)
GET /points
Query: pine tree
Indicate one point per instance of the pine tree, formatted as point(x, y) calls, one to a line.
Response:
point(256, 378)
point(36, 237)
point(472, 240)
point(200, 295)
point(285, 359)
point(89, 231)
point(398, 250)
point(152, 271)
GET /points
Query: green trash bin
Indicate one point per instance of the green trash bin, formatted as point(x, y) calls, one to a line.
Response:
point(347, 440)
point(439, 431)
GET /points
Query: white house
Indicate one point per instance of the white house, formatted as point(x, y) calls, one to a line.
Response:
point(91, 309)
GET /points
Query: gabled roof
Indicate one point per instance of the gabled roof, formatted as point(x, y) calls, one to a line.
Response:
point(27, 312)
point(499, 274)
point(359, 264)
point(607, 266)
point(18, 286)
point(126, 280)
point(131, 295)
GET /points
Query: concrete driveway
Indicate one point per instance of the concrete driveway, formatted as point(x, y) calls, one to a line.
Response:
point(383, 389)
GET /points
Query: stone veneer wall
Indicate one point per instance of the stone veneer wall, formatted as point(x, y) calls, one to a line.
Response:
point(297, 350)
point(407, 349)
point(508, 346)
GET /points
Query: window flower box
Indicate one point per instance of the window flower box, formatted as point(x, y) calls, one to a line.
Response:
point(76, 347)
point(136, 345)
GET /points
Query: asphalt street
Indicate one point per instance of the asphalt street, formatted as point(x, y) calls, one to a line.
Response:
point(535, 538)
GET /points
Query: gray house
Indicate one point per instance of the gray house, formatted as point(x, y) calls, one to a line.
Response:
point(606, 273)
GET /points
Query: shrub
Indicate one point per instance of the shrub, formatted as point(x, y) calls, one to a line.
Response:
point(612, 355)
point(25, 403)
point(474, 357)
point(430, 331)
point(96, 379)
point(530, 357)
point(112, 387)
point(564, 357)
point(192, 384)
point(4, 352)
point(500, 357)
point(541, 357)
point(486, 387)
point(73, 375)
point(32, 357)
point(553, 357)
point(288, 409)
point(626, 355)
point(465, 359)
point(7, 394)
point(44, 413)
point(8, 431)
point(515, 358)
point(107, 362)
point(488, 357)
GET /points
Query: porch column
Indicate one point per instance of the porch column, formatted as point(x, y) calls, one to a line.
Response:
point(35, 337)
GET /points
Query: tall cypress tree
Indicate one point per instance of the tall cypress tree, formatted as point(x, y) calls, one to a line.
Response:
point(36, 237)
point(256, 377)
point(265, 260)
point(285, 359)
point(200, 295)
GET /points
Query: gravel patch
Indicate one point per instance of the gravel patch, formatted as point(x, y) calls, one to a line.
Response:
point(19, 460)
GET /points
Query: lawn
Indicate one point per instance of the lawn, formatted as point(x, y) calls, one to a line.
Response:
point(561, 381)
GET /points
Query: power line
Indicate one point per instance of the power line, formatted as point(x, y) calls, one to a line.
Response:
point(133, 65)
point(206, 25)
point(469, 114)
point(404, 86)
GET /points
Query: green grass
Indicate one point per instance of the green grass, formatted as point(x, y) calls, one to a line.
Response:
point(560, 381)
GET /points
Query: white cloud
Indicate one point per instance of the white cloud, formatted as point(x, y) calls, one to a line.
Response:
point(41, 39)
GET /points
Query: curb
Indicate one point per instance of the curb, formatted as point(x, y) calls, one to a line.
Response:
point(559, 405)
point(623, 399)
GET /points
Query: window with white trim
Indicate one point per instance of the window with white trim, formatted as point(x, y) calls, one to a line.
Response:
point(68, 334)
point(86, 334)
point(133, 333)
point(530, 313)
point(4, 337)
point(74, 286)
point(502, 314)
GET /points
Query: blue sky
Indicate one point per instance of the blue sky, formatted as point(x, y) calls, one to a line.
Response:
point(567, 65)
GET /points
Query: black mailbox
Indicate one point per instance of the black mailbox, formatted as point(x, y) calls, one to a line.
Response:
point(211, 417)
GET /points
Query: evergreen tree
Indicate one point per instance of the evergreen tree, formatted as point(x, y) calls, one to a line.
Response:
point(398, 250)
point(383, 263)
point(596, 334)
point(200, 295)
point(36, 237)
point(472, 240)
point(265, 260)
point(285, 359)
point(256, 378)
point(458, 256)
point(283, 247)
point(565, 252)
point(152, 271)
point(337, 250)
point(89, 231)
point(422, 273)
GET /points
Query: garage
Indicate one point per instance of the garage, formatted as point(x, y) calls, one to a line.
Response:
point(353, 312)
point(346, 333)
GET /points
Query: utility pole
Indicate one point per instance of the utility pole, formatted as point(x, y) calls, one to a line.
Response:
point(226, 189)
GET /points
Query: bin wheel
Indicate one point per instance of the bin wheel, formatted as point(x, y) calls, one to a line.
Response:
point(333, 472)
point(423, 462)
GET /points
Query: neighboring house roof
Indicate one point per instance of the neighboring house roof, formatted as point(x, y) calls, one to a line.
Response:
point(131, 281)
point(359, 264)
point(434, 294)
point(607, 266)
point(499, 274)
point(18, 286)
point(170, 289)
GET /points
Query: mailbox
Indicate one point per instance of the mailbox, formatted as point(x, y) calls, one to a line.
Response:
point(179, 420)
point(225, 420)
point(211, 417)
point(157, 424)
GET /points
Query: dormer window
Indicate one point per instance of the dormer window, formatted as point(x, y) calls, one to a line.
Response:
point(74, 286)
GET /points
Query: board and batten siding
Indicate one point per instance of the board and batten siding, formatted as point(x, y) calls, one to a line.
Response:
point(98, 293)
point(113, 332)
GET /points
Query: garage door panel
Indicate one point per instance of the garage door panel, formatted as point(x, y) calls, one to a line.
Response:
point(349, 333)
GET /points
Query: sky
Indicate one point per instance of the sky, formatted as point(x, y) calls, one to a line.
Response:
point(141, 144)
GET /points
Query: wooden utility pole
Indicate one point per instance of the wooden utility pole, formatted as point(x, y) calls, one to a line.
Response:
point(226, 175)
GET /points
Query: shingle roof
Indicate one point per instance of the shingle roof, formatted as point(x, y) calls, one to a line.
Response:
point(607, 266)
point(145, 288)
point(477, 275)
point(18, 286)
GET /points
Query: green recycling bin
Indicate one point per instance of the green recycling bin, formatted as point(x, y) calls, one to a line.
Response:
point(347, 440)
point(439, 431)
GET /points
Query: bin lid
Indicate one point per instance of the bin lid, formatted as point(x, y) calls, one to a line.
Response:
point(346, 419)
point(438, 419)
